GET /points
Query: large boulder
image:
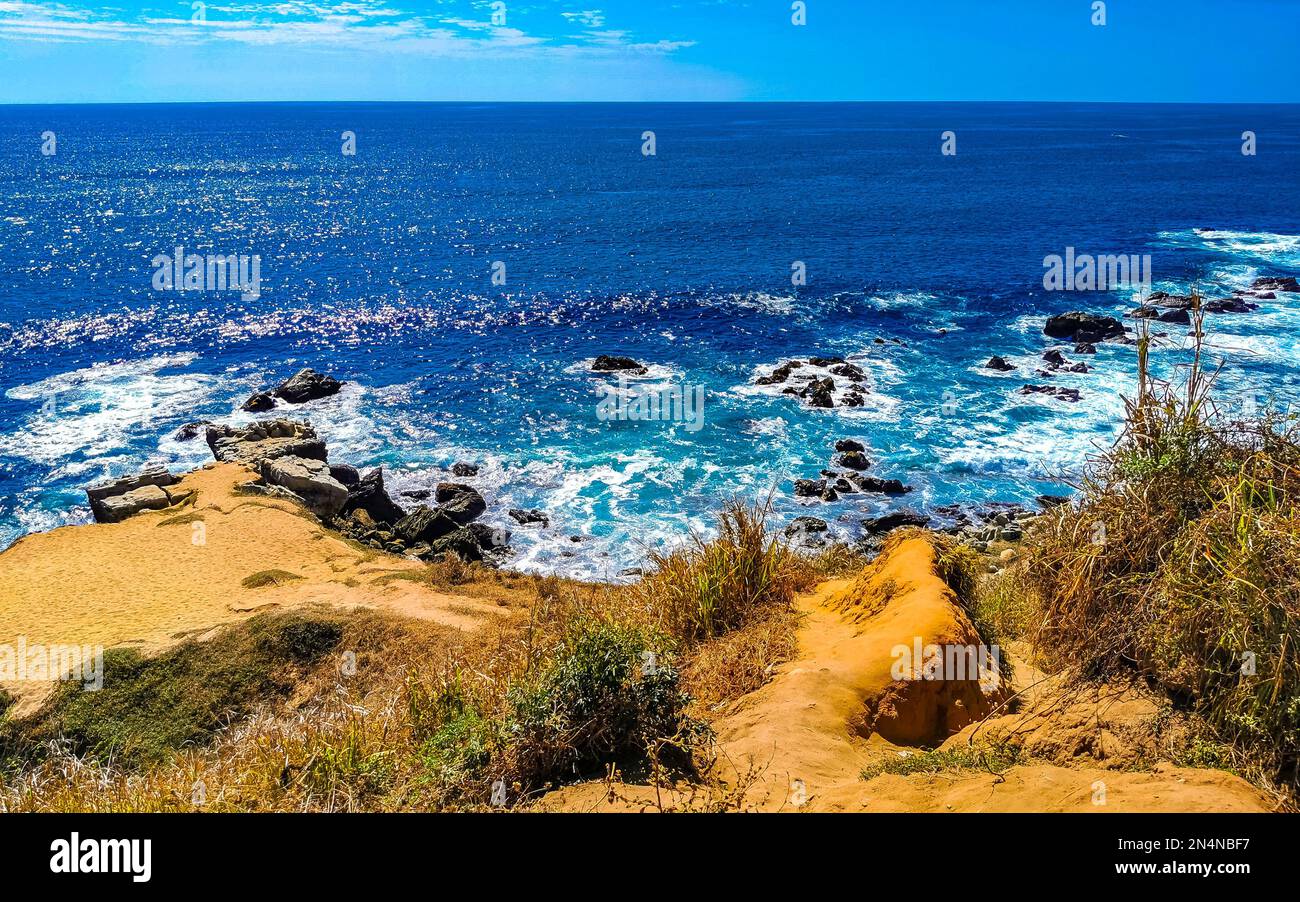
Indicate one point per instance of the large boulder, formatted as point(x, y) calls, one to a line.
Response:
point(307, 385)
point(461, 503)
point(1078, 326)
point(888, 522)
point(310, 480)
point(424, 525)
point(264, 440)
point(369, 495)
point(469, 543)
point(111, 502)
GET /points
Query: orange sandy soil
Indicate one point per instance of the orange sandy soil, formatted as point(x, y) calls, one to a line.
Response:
point(801, 742)
point(146, 582)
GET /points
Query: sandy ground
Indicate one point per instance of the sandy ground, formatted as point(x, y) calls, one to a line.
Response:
point(801, 742)
point(162, 575)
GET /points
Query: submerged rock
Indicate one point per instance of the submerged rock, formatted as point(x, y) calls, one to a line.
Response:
point(529, 517)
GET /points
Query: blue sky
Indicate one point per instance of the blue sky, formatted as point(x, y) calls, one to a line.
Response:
point(161, 50)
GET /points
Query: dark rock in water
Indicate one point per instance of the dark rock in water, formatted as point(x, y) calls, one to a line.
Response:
point(264, 440)
point(848, 371)
point(1050, 501)
point(830, 494)
point(780, 374)
point(1170, 301)
point(1055, 358)
point(819, 393)
point(1078, 368)
point(191, 431)
point(809, 488)
point(1078, 326)
point(527, 517)
point(825, 361)
point(346, 474)
point(462, 503)
point(854, 460)
point(843, 486)
point(424, 525)
point(417, 494)
point(1264, 295)
point(1065, 394)
point(369, 495)
point(1229, 305)
point(112, 502)
point(259, 403)
point(609, 363)
point(309, 479)
point(999, 363)
point(1144, 313)
point(879, 525)
point(848, 444)
point(1276, 283)
point(1176, 316)
point(307, 385)
point(879, 486)
point(464, 469)
point(1085, 348)
point(801, 526)
point(853, 399)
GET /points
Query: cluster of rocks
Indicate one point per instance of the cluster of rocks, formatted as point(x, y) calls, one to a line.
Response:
point(833, 483)
point(292, 461)
point(1083, 331)
point(450, 527)
point(819, 391)
point(305, 385)
point(151, 489)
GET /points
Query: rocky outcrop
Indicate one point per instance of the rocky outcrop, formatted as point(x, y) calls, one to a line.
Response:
point(854, 460)
point(112, 502)
point(264, 440)
point(461, 502)
point(1078, 326)
point(999, 364)
point(303, 386)
point(1276, 283)
point(368, 494)
point(307, 385)
point(877, 526)
point(309, 479)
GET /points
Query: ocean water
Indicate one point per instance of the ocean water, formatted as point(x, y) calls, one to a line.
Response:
point(378, 268)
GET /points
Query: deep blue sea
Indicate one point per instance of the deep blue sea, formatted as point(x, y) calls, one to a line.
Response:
point(377, 268)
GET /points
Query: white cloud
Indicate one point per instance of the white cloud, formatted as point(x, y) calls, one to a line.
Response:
point(369, 25)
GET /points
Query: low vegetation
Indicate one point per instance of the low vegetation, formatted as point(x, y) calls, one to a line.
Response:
point(1181, 561)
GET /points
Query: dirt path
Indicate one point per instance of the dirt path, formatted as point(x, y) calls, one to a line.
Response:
point(802, 741)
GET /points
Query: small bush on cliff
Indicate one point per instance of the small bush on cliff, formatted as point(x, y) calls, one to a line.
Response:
point(606, 694)
point(1182, 559)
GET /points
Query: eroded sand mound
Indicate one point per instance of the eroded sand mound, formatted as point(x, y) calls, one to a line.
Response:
point(803, 741)
point(162, 575)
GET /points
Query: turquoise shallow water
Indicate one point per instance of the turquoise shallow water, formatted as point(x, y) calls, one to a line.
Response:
point(378, 269)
